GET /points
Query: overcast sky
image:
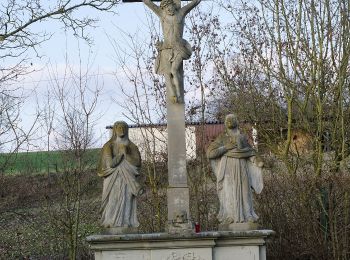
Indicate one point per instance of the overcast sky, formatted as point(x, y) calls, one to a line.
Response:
point(131, 18)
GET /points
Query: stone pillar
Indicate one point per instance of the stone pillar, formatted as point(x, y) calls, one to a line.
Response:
point(179, 219)
point(169, 58)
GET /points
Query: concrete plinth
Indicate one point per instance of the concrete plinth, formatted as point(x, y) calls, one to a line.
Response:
point(221, 245)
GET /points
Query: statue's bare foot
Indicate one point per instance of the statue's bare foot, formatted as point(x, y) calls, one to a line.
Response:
point(174, 99)
point(180, 100)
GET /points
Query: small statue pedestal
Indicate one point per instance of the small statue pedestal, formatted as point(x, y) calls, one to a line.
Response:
point(217, 245)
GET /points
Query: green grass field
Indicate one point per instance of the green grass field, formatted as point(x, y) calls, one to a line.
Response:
point(41, 162)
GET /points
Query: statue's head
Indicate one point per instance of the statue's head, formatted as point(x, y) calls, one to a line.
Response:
point(120, 129)
point(169, 6)
point(231, 121)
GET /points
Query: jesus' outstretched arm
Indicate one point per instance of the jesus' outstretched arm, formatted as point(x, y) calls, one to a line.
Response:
point(187, 8)
point(155, 8)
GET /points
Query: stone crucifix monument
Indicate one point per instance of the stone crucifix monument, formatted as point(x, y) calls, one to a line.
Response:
point(120, 161)
point(171, 53)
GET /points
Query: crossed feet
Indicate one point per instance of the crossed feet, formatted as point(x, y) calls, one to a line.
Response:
point(175, 99)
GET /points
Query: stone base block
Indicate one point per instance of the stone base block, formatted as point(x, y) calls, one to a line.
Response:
point(221, 245)
point(239, 226)
point(180, 228)
point(178, 207)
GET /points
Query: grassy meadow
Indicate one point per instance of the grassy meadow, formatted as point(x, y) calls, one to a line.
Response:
point(43, 162)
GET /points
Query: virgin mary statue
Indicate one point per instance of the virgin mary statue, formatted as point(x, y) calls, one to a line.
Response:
point(237, 173)
point(119, 164)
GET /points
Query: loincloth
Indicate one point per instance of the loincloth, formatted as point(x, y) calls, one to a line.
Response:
point(167, 54)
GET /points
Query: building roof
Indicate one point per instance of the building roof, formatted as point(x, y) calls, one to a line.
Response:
point(214, 122)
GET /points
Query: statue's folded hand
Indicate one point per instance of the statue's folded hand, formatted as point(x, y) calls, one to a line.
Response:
point(123, 149)
point(230, 146)
point(116, 160)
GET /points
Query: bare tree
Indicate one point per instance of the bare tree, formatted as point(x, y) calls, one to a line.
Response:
point(19, 42)
point(302, 49)
point(13, 134)
point(143, 103)
point(47, 118)
point(18, 38)
point(75, 98)
point(201, 30)
point(300, 52)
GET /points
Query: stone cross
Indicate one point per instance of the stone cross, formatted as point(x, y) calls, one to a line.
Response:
point(171, 53)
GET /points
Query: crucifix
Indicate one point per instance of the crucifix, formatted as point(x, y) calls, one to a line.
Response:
point(172, 51)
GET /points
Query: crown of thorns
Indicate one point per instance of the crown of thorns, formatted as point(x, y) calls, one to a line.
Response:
point(165, 3)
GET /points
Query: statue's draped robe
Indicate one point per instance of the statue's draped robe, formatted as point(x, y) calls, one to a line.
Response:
point(236, 175)
point(120, 189)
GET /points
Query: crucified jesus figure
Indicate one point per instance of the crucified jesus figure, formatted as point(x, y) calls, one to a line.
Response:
point(174, 49)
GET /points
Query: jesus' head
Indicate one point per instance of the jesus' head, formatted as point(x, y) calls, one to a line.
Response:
point(169, 6)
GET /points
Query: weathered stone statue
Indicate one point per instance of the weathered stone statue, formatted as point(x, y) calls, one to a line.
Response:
point(119, 164)
point(237, 172)
point(174, 49)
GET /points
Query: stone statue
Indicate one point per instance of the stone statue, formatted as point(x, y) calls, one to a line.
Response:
point(237, 171)
point(174, 49)
point(119, 164)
